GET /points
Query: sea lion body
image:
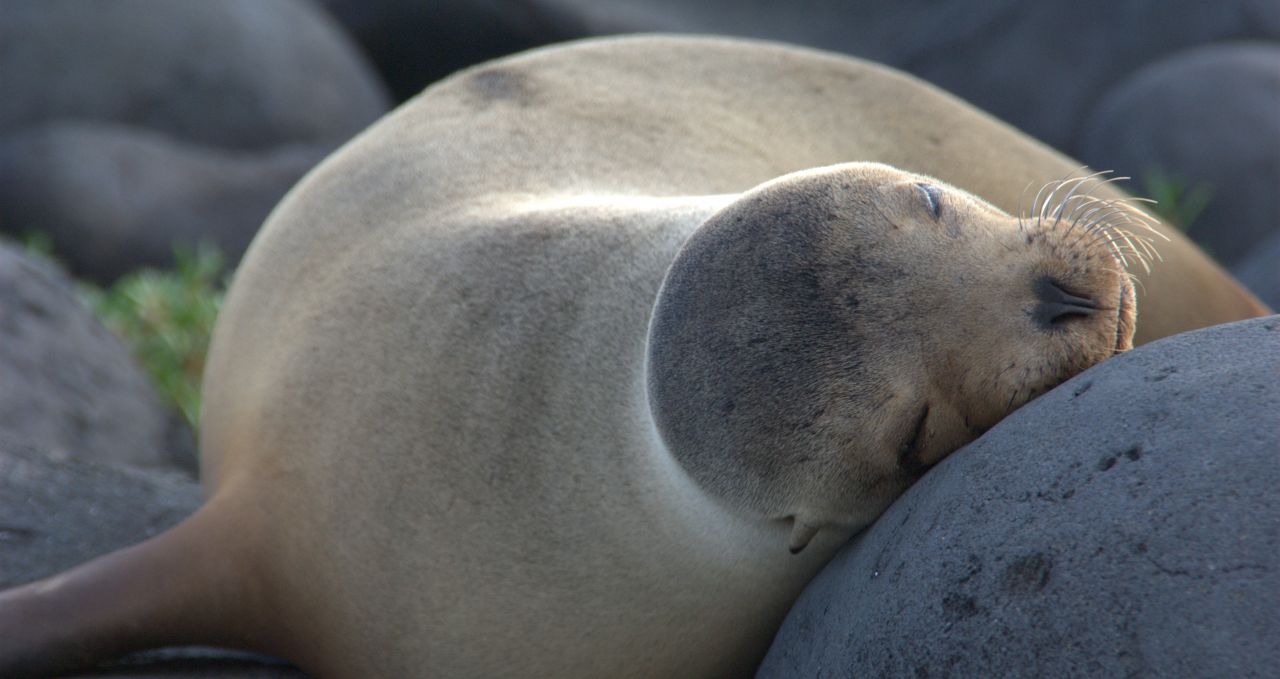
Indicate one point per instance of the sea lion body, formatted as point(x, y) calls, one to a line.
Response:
point(433, 425)
point(554, 503)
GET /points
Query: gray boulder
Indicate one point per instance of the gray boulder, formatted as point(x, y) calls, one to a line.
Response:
point(242, 74)
point(55, 514)
point(1209, 116)
point(1260, 270)
point(1124, 525)
point(66, 384)
point(115, 198)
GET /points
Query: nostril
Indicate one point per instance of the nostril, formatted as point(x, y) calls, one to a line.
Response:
point(1058, 304)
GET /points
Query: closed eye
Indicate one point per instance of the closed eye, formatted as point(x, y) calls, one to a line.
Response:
point(909, 453)
point(932, 196)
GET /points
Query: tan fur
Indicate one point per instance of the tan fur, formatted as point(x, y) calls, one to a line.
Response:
point(433, 402)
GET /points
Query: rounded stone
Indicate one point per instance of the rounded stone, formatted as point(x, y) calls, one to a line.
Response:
point(1260, 270)
point(115, 198)
point(242, 74)
point(1126, 524)
point(67, 385)
point(1211, 117)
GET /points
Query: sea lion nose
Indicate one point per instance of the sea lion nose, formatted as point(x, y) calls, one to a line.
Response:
point(1058, 305)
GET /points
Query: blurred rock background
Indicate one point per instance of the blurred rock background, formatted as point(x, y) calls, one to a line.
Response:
point(129, 127)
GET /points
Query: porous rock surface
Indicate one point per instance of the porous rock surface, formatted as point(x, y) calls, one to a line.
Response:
point(1209, 117)
point(1126, 524)
point(66, 383)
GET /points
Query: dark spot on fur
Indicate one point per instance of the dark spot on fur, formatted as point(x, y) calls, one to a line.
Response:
point(1028, 574)
point(1106, 463)
point(501, 84)
point(1162, 374)
point(1134, 453)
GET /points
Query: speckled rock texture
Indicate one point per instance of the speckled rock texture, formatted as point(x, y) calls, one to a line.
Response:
point(1127, 524)
point(67, 384)
point(1208, 116)
point(57, 512)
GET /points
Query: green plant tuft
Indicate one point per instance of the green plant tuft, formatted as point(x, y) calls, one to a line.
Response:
point(1177, 201)
point(166, 318)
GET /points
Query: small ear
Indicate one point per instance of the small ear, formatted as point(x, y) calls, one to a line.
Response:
point(801, 535)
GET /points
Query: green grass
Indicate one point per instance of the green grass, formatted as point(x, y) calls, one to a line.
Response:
point(1177, 202)
point(165, 318)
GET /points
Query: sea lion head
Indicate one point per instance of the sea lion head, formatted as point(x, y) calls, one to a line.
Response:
point(824, 339)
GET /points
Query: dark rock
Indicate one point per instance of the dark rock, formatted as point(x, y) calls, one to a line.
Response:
point(1260, 270)
point(1125, 524)
point(1208, 116)
point(66, 384)
point(415, 43)
point(242, 74)
point(55, 514)
point(116, 198)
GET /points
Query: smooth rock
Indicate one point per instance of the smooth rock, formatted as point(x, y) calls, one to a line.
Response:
point(114, 198)
point(244, 74)
point(1126, 524)
point(1260, 270)
point(1207, 116)
point(66, 383)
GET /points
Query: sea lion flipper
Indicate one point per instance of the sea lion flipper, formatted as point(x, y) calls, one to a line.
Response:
point(173, 589)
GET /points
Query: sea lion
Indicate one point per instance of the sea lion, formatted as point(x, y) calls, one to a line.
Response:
point(585, 360)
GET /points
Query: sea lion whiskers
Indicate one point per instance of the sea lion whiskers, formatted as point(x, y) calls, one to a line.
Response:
point(1079, 183)
point(1087, 199)
point(1022, 227)
point(1102, 219)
